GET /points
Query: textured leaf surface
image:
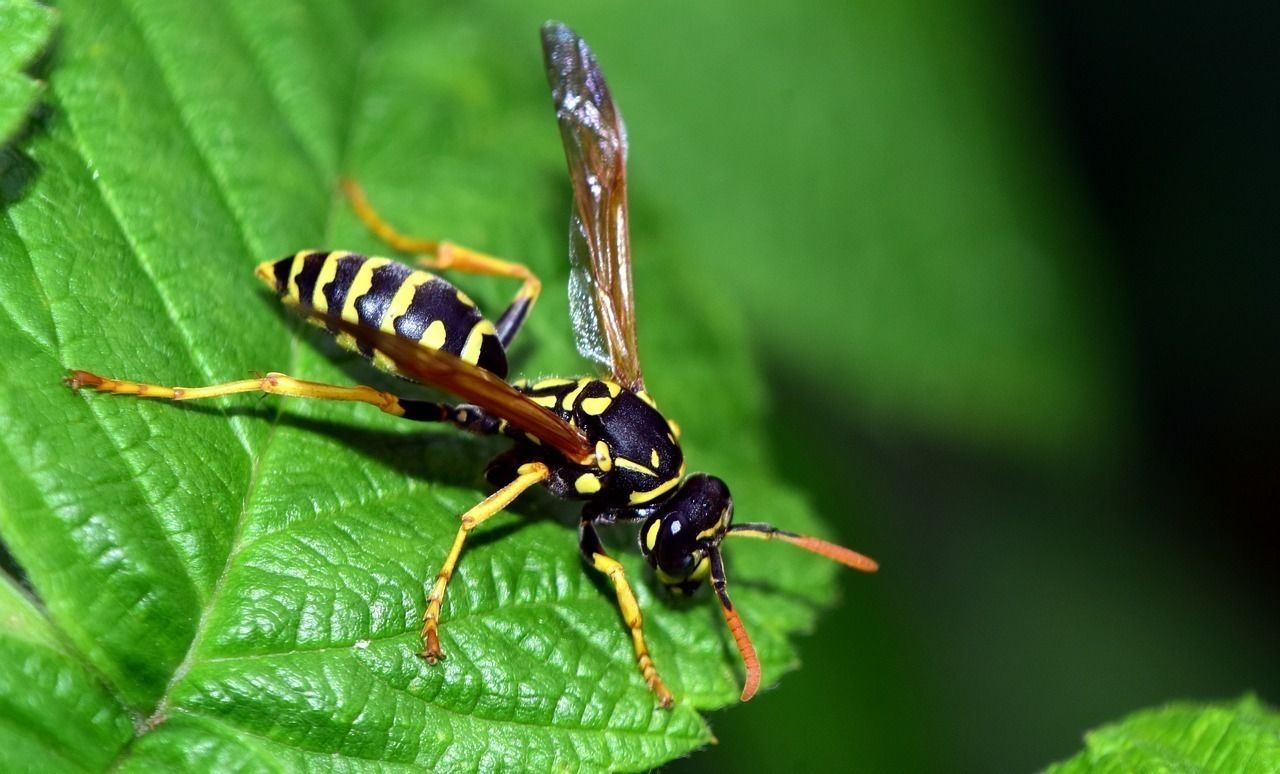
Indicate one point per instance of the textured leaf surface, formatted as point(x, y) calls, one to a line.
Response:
point(1243, 737)
point(239, 584)
point(25, 28)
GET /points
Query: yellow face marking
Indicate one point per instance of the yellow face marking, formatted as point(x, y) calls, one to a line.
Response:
point(623, 462)
point(653, 458)
point(644, 497)
point(587, 484)
point(359, 286)
point(400, 302)
point(547, 401)
point(465, 299)
point(700, 572)
point(433, 337)
point(328, 271)
point(596, 406)
point(651, 536)
point(573, 396)
point(471, 350)
point(603, 458)
point(549, 383)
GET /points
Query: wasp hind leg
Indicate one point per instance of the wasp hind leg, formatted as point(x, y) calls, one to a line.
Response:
point(443, 255)
point(593, 552)
point(466, 417)
point(528, 475)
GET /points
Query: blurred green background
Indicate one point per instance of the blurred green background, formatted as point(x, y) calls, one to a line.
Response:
point(1012, 276)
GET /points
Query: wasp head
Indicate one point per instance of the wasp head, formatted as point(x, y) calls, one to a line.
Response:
point(683, 533)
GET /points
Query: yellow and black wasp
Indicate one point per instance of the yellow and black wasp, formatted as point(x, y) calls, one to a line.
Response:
point(599, 440)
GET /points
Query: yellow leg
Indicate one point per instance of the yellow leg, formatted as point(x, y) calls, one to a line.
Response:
point(631, 615)
point(272, 383)
point(443, 256)
point(528, 475)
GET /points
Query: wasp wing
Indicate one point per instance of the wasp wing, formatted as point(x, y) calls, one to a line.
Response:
point(474, 385)
point(595, 145)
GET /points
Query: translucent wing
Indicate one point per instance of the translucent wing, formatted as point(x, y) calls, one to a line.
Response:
point(474, 385)
point(595, 145)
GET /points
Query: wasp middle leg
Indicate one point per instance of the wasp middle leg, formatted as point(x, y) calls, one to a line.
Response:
point(593, 552)
point(444, 255)
point(467, 417)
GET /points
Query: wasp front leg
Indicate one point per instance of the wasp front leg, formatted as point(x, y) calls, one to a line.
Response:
point(593, 552)
point(444, 256)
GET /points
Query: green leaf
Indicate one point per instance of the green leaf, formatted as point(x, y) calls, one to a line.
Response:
point(1242, 737)
point(25, 29)
point(244, 578)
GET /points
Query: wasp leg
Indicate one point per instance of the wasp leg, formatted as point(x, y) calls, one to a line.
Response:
point(528, 475)
point(589, 544)
point(467, 417)
point(443, 255)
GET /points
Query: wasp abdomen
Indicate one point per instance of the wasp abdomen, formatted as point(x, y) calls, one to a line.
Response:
point(414, 305)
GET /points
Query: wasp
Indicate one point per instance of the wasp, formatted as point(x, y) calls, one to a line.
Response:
point(601, 440)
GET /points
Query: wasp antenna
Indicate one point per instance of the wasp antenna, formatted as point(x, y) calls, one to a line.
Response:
point(845, 556)
point(740, 637)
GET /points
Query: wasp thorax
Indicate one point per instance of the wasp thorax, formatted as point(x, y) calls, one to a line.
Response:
point(680, 534)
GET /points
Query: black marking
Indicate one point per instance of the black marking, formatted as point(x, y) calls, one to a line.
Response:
point(425, 411)
point(386, 280)
point(281, 271)
point(335, 292)
point(509, 323)
point(493, 358)
point(307, 276)
point(431, 301)
point(371, 306)
point(589, 540)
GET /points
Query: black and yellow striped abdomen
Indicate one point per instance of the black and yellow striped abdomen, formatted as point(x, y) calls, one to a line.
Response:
point(414, 305)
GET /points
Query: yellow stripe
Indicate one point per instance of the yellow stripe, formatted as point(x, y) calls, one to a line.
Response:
point(471, 350)
point(623, 462)
point(573, 396)
point(433, 337)
point(327, 272)
point(587, 484)
point(400, 301)
point(359, 286)
point(295, 269)
point(596, 406)
point(663, 488)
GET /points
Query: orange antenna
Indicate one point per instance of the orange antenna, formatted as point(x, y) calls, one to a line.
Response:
point(740, 637)
point(843, 555)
